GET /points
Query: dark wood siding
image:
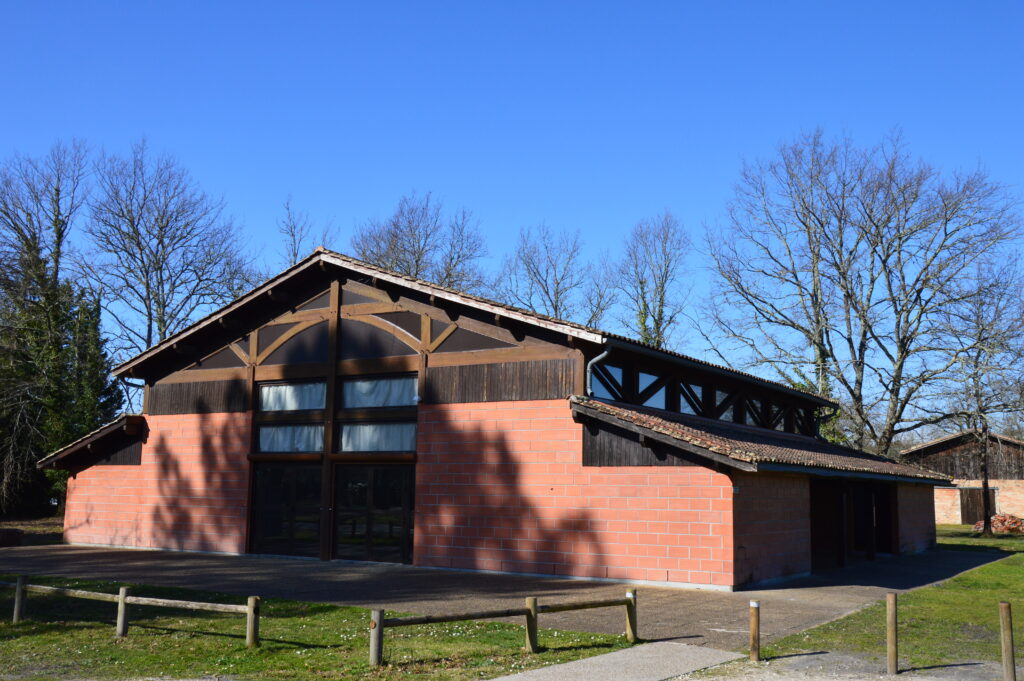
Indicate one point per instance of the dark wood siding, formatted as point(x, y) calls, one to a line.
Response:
point(467, 341)
point(201, 397)
point(306, 346)
point(605, 445)
point(127, 455)
point(962, 459)
point(540, 380)
point(224, 359)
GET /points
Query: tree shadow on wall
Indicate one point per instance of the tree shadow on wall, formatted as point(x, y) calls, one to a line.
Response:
point(492, 495)
point(202, 481)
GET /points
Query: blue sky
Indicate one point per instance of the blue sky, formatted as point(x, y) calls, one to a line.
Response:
point(582, 115)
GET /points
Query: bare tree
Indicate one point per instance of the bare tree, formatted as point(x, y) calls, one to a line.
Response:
point(987, 349)
point(418, 241)
point(836, 266)
point(599, 295)
point(546, 273)
point(162, 251)
point(649, 278)
point(54, 373)
point(40, 198)
point(298, 235)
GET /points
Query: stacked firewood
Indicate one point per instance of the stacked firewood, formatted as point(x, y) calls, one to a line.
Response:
point(1003, 523)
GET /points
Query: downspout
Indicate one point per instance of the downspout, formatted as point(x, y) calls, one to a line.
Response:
point(590, 368)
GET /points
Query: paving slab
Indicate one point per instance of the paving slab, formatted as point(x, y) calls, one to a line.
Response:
point(649, 662)
point(707, 618)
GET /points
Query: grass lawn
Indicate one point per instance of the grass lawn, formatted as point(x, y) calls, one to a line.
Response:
point(962, 537)
point(956, 621)
point(39, 531)
point(65, 638)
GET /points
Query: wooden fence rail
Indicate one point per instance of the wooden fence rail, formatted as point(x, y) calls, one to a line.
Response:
point(251, 609)
point(378, 622)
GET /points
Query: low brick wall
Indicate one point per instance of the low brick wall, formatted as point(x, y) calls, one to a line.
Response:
point(947, 505)
point(190, 491)
point(501, 486)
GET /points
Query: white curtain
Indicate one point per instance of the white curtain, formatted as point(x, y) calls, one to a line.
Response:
point(297, 438)
point(378, 437)
point(293, 396)
point(379, 392)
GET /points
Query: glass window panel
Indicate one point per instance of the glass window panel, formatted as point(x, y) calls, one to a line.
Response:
point(292, 396)
point(380, 392)
point(378, 437)
point(292, 438)
point(657, 400)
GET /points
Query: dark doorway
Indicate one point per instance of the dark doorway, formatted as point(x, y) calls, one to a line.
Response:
point(373, 512)
point(851, 520)
point(286, 509)
point(971, 508)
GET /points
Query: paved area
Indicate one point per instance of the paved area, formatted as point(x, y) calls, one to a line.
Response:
point(648, 662)
point(705, 618)
point(819, 666)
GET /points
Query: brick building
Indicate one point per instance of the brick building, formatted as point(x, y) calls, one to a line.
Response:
point(341, 411)
point(960, 456)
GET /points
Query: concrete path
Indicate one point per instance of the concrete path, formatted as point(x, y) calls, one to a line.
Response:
point(705, 618)
point(648, 662)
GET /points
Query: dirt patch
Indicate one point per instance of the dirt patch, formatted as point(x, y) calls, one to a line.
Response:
point(822, 665)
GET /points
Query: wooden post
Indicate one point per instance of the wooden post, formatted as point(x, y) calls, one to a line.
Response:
point(631, 623)
point(891, 641)
point(376, 638)
point(252, 622)
point(122, 613)
point(531, 625)
point(19, 599)
point(1006, 626)
point(755, 631)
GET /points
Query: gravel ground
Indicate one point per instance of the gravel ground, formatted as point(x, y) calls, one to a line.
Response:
point(814, 666)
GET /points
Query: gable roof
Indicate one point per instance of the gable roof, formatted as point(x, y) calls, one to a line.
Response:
point(322, 257)
point(953, 439)
point(749, 448)
point(130, 425)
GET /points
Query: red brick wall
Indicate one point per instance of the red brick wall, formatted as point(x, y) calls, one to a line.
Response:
point(947, 506)
point(190, 492)
point(773, 529)
point(917, 517)
point(1009, 496)
point(501, 486)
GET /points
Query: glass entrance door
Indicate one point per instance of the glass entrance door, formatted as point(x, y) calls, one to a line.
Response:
point(286, 509)
point(373, 511)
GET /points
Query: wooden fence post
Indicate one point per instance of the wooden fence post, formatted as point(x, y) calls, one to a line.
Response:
point(252, 622)
point(376, 638)
point(1006, 627)
point(19, 599)
point(755, 631)
point(631, 622)
point(891, 640)
point(122, 613)
point(531, 625)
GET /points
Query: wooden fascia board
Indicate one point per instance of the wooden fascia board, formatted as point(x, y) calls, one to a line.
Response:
point(840, 473)
point(318, 259)
point(655, 436)
point(460, 299)
point(125, 369)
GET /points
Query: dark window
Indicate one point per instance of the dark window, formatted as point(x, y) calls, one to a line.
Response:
point(286, 509)
point(373, 509)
